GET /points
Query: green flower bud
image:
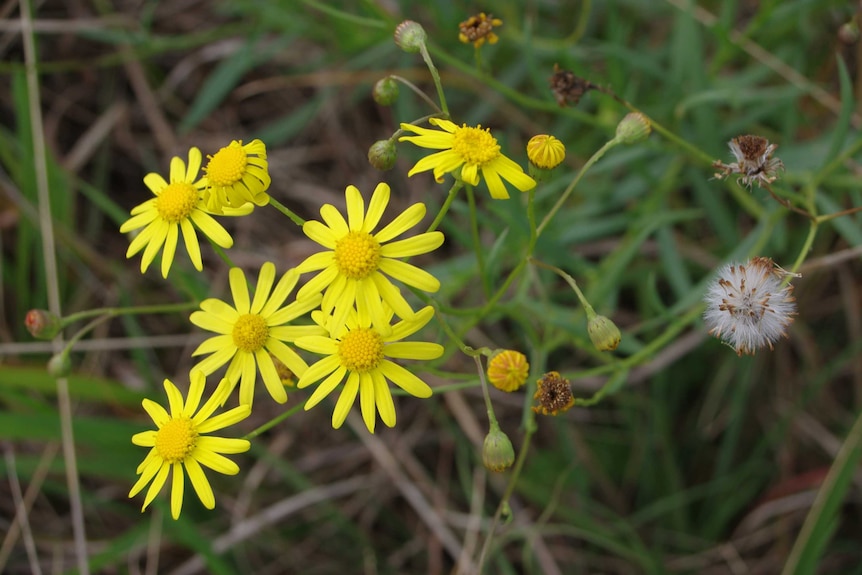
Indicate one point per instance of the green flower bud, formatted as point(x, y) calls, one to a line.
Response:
point(42, 324)
point(633, 128)
point(604, 333)
point(60, 365)
point(497, 451)
point(385, 91)
point(409, 36)
point(382, 154)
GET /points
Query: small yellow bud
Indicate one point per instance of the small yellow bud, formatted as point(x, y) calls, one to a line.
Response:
point(409, 36)
point(633, 128)
point(42, 324)
point(382, 154)
point(385, 91)
point(497, 451)
point(546, 151)
point(508, 370)
point(604, 333)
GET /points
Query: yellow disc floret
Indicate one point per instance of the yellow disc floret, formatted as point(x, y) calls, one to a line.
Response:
point(176, 439)
point(475, 145)
point(250, 332)
point(361, 350)
point(176, 202)
point(227, 166)
point(357, 255)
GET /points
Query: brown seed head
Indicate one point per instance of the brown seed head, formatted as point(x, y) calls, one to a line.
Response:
point(567, 87)
point(554, 394)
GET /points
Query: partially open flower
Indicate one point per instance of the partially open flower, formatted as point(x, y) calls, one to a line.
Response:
point(479, 29)
point(554, 394)
point(754, 161)
point(749, 305)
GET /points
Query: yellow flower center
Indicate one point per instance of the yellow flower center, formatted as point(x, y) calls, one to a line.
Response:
point(475, 145)
point(176, 439)
point(176, 202)
point(361, 350)
point(357, 255)
point(227, 166)
point(250, 332)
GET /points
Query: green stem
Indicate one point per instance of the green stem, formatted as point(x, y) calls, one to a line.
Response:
point(591, 313)
point(444, 209)
point(287, 212)
point(568, 191)
point(477, 243)
point(492, 417)
point(531, 215)
point(273, 422)
point(423, 49)
point(418, 92)
point(806, 247)
point(109, 312)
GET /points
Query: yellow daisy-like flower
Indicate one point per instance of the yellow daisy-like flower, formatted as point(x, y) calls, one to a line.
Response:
point(237, 174)
point(252, 330)
point(179, 442)
point(177, 206)
point(360, 352)
point(545, 151)
point(467, 150)
point(352, 270)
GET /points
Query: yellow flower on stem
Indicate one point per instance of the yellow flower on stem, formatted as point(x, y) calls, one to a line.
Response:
point(180, 443)
point(359, 352)
point(178, 205)
point(465, 152)
point(353, 267)
point(251, 330)
point(237, 174)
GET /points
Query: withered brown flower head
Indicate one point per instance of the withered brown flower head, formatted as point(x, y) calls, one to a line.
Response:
point(567, 87)
point(754, 161)
point(479, 29)
point(554, 394)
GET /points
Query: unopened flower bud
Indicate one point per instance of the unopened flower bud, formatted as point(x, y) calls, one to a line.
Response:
point(42, 324)
point(60, 365)
point(849, 32)
point(604, 333)
point(545, 153)
point(382, 154)
point(497, 451)
point(508, 370)
point(385, 91)
point(633, 128)
point(409, 36)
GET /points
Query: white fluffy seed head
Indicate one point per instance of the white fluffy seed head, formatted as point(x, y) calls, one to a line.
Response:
point(749, 305)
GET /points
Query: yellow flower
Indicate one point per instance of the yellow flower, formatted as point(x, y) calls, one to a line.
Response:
point(467, 150)
point(252, 329)
point(353, 267)
point(237, 174)
point(179, 442)
point(360, 352)
point(508, 370)
point(177, 206)
point(545, 151)
point(478, 29)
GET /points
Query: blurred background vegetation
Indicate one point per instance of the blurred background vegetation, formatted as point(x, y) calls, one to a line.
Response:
point(697, 461)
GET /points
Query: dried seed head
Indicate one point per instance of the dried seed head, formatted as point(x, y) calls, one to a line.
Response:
point(567, 87)
point(754, 161)
point(749, 306)
point(479, 29)
point(554, 393)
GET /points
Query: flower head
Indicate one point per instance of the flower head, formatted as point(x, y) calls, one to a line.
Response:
point(508, 370)
point(749, 305)
point(754, 161)
point(360, 351)
point(235, 175)
point(251, 330)
point(355, 267)
point(479, 29)
point(545, 152)
point(568, 88)
point(177, 206)
point(180, 443)
point(467, 150)
point(554, 393)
